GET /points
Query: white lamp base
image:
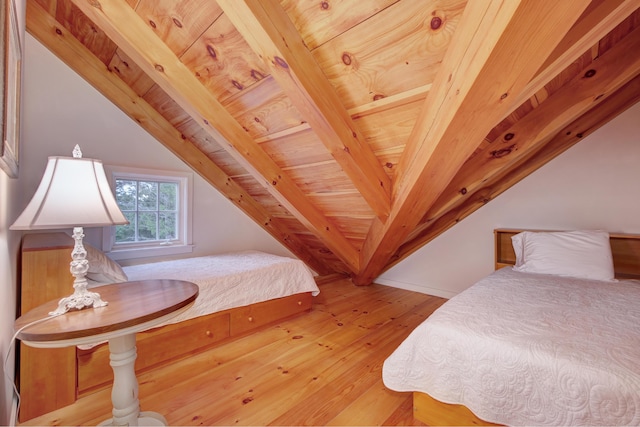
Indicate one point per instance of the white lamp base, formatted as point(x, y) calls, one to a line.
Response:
point(81, 297)
point(78, 301)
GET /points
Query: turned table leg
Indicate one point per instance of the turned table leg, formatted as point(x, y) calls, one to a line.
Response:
point(124, 395)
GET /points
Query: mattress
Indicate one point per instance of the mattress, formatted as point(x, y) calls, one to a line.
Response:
point(530, 349)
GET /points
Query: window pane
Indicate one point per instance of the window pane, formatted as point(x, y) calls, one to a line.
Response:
point(127, 233)
point(147, 195)
point(147, 226)
point(168, 196)
point(126, 194)
point(168, 226)
point(153, 204)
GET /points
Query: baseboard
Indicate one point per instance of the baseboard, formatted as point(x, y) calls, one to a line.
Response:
point(442, 293)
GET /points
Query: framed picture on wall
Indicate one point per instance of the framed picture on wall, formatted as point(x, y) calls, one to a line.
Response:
point(11, 69)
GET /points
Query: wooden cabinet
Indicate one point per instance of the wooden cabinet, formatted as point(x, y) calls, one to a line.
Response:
point(47, 376)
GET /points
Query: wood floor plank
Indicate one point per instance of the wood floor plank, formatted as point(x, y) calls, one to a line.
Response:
point(371, 351)
point(379, 397)
point(321, 368)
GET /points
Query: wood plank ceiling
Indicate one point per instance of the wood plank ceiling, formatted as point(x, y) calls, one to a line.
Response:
point(355, 131)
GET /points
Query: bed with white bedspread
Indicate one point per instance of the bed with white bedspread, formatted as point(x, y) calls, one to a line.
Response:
point(504, 350)
point(528, 348)
point(232, 279)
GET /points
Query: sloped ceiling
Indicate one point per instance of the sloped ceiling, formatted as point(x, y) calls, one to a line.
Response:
point(355, 131)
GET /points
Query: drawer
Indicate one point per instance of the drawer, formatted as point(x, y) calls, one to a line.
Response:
point(247, 318)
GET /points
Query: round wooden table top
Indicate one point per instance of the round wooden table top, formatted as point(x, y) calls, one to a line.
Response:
point(130, 304)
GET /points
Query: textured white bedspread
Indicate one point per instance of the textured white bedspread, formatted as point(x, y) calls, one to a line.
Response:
point(530, 349)
point(229, 280)
point(232, 279)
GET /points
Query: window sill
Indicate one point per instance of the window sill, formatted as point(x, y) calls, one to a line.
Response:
point(122, 254)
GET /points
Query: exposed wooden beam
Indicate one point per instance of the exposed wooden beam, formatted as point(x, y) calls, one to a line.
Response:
point(120, 23)
point(390, 102)
point(614, 105)
point(591, 28)
point(373, 107)
point(593, 85)
point(66, 47)
point(486, 65)
point(265, 26)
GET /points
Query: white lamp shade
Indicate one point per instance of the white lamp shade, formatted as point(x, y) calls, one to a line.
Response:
point(74, 192)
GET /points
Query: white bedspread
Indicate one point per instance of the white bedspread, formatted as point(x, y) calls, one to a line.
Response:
point(527, 349)
point(232, 279)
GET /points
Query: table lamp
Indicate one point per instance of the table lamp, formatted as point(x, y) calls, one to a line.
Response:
point(74, 192)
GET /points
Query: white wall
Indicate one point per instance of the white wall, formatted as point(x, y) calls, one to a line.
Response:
point(62, 110)
point(593, 185)
point(10, 199)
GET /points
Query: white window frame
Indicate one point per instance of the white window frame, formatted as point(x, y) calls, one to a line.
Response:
point(181, 245)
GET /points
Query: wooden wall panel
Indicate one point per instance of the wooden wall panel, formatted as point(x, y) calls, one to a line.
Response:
point(263, 109)
point(324, 177)
point(296, 149)
point(399, 49)
point(318, 23)
point(178, 24)
point(130, 73)
point(348, 204)
point(83, 29)
point(222, 60)
point(390, 127)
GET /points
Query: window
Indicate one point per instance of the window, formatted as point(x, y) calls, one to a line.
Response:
point(156, 203)
point(151, 208)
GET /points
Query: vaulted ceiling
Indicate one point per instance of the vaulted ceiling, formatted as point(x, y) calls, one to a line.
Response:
point(355, 131)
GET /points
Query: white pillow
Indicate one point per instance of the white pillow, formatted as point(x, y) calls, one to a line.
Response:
point(584, 254)
point(102, 268)
point(517, 241)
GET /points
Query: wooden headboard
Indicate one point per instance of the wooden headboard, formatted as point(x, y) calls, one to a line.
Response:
point(625, 249)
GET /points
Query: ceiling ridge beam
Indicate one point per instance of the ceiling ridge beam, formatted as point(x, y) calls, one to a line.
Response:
point(65, 46)
point(590, 87)
point(572, 134)
point(266, 27)
point(120, 23)
point(486, 65)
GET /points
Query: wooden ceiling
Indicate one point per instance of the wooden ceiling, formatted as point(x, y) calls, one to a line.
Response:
point(355, 131)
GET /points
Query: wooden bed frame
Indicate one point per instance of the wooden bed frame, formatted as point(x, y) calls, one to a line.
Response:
point(52, 378)
point(625, 249)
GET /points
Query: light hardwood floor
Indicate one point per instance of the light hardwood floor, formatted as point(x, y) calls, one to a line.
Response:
point(321, 368)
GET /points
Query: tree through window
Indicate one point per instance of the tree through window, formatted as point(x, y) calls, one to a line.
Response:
point(151, 208)
point(157, 205)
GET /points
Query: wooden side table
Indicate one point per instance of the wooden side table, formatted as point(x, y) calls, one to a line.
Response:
point(132, 307)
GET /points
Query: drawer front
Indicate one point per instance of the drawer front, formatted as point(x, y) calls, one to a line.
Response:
point(247, 318)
